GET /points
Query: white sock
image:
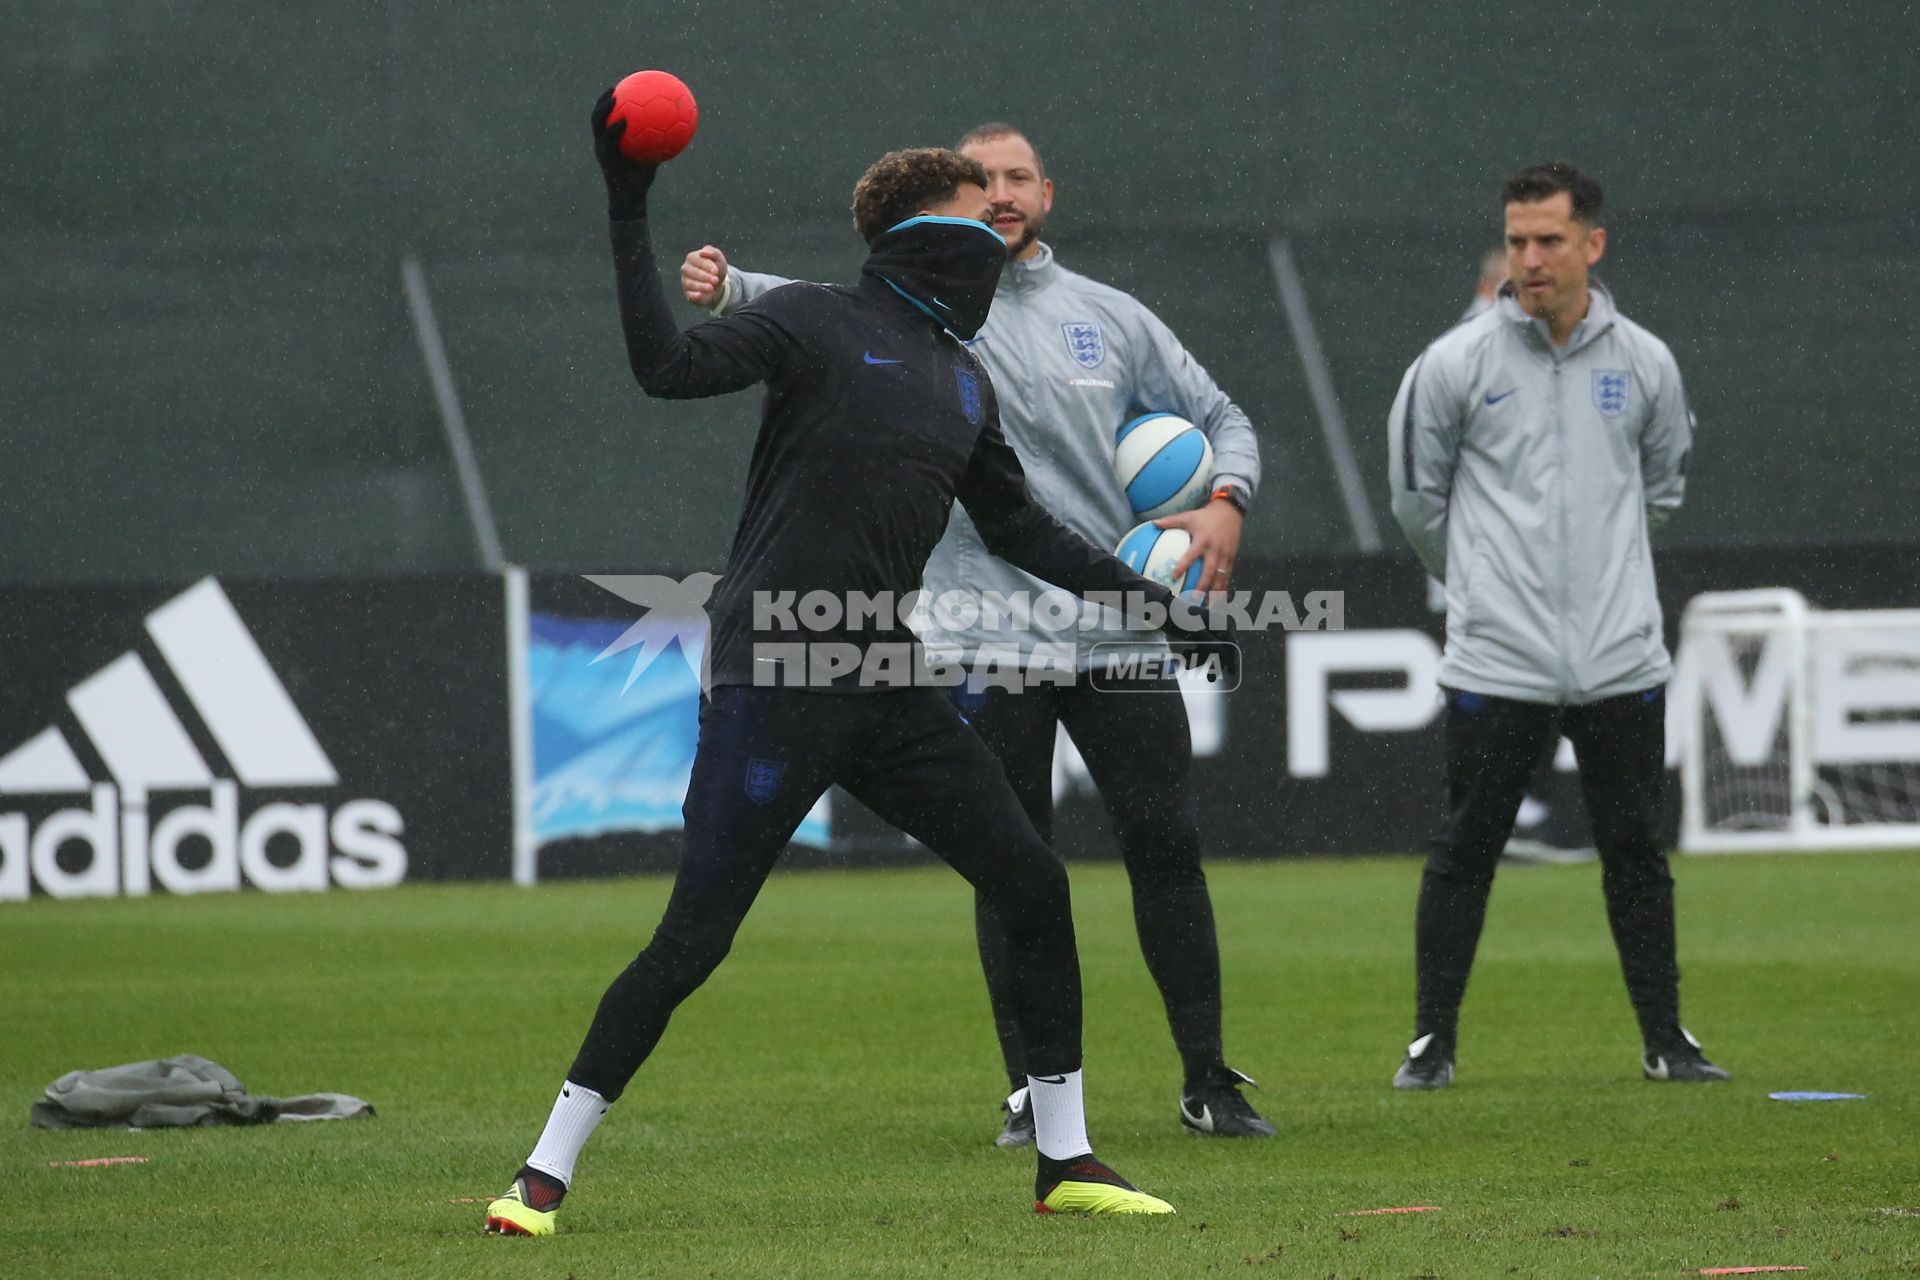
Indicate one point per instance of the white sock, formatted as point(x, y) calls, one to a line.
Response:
point(1059, 1116)
point(576, 1114)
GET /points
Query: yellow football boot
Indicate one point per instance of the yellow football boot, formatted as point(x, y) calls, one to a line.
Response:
point(1084, 1185)
point(513, 1215)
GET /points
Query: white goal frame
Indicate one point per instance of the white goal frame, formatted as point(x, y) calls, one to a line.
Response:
point(1798, 629)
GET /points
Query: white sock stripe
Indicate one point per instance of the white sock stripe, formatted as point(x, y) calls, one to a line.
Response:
point(1059, 1116)
point(576, 1114)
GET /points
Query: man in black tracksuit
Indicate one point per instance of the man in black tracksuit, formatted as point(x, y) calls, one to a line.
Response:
point(876, 419)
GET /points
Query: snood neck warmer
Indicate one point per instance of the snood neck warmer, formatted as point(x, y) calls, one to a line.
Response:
point(947, 267)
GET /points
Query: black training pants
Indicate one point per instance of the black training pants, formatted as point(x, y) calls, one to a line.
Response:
point(1139, 754)
point(1493, 745)
point(765, 756)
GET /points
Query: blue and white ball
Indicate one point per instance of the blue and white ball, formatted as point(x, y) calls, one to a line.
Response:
point(1163, 462)
point(1152, 552)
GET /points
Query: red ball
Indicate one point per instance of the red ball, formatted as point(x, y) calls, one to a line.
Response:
point(660, 114)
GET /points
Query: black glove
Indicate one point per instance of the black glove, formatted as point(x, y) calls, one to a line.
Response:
point(627, 180)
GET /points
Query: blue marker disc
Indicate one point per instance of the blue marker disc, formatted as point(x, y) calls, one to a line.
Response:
point(1814, 1095)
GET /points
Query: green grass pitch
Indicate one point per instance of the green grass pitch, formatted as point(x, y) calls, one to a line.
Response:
point(825, 1106)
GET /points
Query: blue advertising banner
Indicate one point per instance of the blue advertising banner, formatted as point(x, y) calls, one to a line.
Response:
point(614, 731)
point(1331, 743)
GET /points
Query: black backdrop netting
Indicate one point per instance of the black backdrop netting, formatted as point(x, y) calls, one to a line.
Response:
point(210, 363)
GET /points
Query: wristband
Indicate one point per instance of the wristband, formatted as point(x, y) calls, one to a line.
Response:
point(1232, 495)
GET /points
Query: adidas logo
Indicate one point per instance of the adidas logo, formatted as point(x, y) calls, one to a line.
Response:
point(119, 842)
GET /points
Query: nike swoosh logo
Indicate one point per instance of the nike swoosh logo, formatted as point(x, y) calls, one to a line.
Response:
point(1493, 399)
point(1051, 1079)
point(874, 359)
point(1201, 1120)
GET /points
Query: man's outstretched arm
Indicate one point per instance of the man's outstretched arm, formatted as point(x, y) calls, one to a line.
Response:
point(707, 280)
point(710, 359)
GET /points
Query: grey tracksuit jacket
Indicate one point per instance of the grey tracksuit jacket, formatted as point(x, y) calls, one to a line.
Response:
point(1526, 477)
point(1072, 360)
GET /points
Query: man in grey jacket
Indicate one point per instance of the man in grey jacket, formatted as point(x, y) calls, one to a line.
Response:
point(1532, 446)
point(1071, 361)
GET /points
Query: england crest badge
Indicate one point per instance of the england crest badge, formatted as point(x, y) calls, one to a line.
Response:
point(1612, 391)
point(967, 383)
point(1085, 344)
point(763, 779)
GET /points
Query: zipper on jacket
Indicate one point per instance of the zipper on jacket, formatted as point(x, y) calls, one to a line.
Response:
point(1566, 535)
point(1020, 319)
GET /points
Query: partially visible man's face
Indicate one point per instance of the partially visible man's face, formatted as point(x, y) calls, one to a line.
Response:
point(1548, 254)
point(1021, 197)
point(969, 200)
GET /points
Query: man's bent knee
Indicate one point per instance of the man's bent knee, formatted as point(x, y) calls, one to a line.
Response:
point(1037, 897)
point(677, 968)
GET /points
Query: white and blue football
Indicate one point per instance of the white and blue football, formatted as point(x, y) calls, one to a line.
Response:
point(1163, 462)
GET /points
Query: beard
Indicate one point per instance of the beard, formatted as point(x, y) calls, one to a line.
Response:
point(1029, 232)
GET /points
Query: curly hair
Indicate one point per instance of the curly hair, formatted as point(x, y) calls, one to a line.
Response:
point(901, 183)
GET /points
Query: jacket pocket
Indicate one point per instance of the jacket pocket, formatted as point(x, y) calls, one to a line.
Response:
point(1501, 625)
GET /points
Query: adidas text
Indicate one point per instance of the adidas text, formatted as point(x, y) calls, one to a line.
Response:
point(130, 847)
point(76, 837)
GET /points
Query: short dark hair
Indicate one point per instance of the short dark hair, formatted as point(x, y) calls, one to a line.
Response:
point(993, 129)
point(901, 183)
point(1541, 181)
